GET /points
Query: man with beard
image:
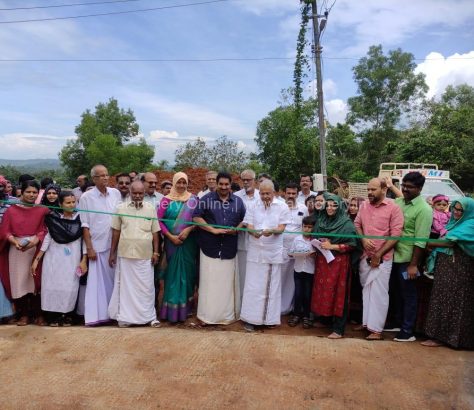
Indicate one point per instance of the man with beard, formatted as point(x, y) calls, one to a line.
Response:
point(219, 291)
point(418, 217)
point(250, 195)
point(379, 216)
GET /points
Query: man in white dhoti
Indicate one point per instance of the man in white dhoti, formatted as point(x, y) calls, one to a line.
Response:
point(261, 303)
point(219, 291)
point(97, 236)
point(133, 254)
point(250, 195)
point(297, 212)
point(379, 216)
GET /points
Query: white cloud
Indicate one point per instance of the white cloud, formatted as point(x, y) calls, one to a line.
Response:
point(389, 22)
point(162, 134)
point(329, 88)
point(442, 71)
point(197, 117)
point(337, 110)
point(29, 146)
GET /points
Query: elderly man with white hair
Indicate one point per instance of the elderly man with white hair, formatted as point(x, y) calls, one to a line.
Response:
point(250, 195)
point(261, 304)
point(98, 238)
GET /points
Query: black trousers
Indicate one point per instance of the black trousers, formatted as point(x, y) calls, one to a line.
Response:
point(303, 291)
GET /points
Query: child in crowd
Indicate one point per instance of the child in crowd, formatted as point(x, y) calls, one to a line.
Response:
point(441, 216)
point(303, 252)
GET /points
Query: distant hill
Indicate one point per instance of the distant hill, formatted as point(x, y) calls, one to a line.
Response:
point(32, 164)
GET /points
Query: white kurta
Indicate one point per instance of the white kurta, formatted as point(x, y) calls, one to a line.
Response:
point(219, 291)
point(59, 282)
point(287, 269)
point(133, 298)
point(375, 297)
point(261, 303)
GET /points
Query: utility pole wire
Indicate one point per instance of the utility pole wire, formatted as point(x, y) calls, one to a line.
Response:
point(113, 13)
point(51, 6)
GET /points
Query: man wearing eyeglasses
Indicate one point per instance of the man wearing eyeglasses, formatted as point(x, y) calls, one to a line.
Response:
point(418, 217)
point(151, 195)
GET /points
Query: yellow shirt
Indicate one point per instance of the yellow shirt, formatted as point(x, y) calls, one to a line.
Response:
point(136, 234)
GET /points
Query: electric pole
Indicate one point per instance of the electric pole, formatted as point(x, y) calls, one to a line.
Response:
point(319, 84)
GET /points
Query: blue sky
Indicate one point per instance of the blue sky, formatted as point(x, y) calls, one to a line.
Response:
point(174, 102)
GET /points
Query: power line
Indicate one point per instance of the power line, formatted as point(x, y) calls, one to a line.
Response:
point(184, 60)
point(51, 6)
point(112, 13)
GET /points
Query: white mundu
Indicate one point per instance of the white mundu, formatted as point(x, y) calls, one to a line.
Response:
point(243, 239)
point(261, 303)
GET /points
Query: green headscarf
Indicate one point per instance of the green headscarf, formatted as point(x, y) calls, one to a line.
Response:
point(339, 223)
point(461, 231)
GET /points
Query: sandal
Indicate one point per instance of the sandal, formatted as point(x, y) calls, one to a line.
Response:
point(431, 343)
point(335, 335)
point(374, 336)
point(307, 323)
point(66, 321)
point(39, 321)
point(23, 321)
point(359, 328)
point(293, 321)
point(54, 324)
point(155, 323)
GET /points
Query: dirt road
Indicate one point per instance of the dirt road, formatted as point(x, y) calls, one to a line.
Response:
point(177, 368)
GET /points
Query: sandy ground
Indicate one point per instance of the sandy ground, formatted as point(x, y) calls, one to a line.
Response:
point(182, 368)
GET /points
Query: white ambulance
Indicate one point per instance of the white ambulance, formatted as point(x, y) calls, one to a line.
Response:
point(437, 180)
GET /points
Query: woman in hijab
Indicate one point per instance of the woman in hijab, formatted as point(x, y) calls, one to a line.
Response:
point(51, 197)
point(331, 282)
point(64, 261)
point(175, 210)
point(450, 317)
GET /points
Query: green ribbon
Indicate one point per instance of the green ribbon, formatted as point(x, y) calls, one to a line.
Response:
point(316, 234)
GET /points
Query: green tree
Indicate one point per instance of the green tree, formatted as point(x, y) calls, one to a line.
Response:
point(192, 155)
point(388, 89)
point(445, 136)
point(104, 136)
point(344, 153)
point(224, 154)
point(287, 139)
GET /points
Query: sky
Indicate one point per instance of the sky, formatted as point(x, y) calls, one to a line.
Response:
point(177, 101)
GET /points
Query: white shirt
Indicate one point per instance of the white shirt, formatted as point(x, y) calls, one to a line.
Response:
point(302, 197)
point(296, 218)
point(303, 263)
point(154, 199)
point(267, 249)
point(77, 193)
point(202, 193)
point(99, 224)
point(249, 201)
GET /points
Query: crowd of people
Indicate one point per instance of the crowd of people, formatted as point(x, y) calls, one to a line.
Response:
point(98, 254)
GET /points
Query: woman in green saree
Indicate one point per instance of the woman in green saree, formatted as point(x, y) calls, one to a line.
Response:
point(175, 212)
